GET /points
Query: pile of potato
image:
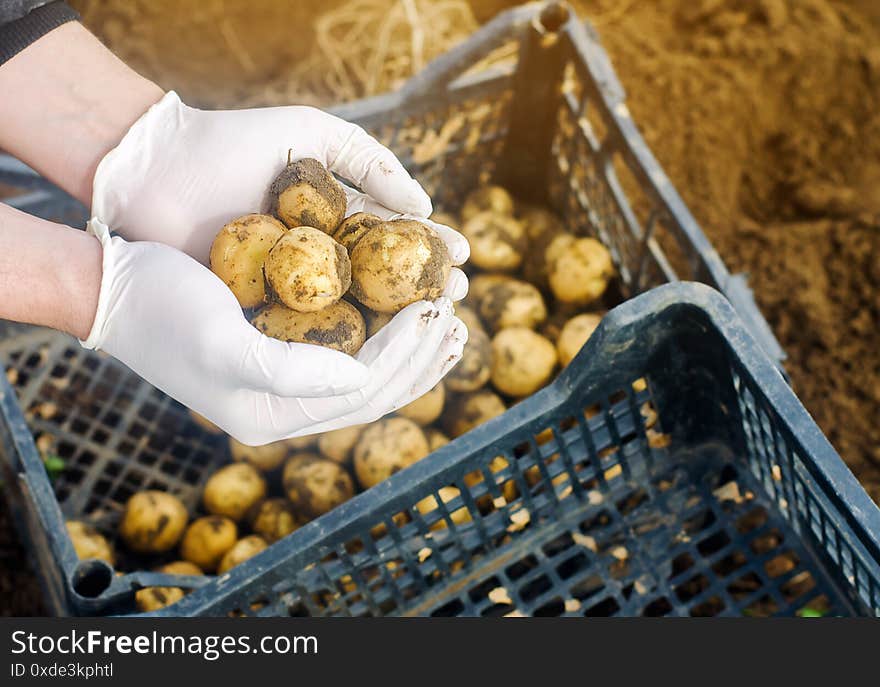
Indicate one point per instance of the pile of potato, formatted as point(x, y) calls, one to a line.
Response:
point(308, 275)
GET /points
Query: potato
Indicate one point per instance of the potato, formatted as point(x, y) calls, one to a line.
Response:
point(338, 326)
point(444, 218)
point(233, 490)
point(315, 485)
point(204, 422)
point(238, 253)
point(522, 361)
point(263, 458)
point(273, 519)
point(475, 367)
point(466, 411)
point(578, 269)
point(540, 223)
point(376, 320)
point(469, 316)
point(386, 447)
point(180, 568)
point(398, 263)
point(301, 443)
point(89, 543)
point(151, 599)
point(338, 444)
point(427, 408)
point(244, 548)
point(488, 198)
point(447, 494)
point(575, 334)
point(480, 284)
point(153, 521)
point(436, 438)
point(305, 194)
point(512, 303)
point(207, 540)
point(355, 227)
point(307, 270)
point(498, 242)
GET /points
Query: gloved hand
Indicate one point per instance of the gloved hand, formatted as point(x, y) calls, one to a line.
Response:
point(180, 173)
point(177, 325)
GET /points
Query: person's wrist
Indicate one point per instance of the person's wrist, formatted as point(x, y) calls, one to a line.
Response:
point(79, 283)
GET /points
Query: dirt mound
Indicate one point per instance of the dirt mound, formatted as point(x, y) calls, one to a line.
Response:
point(766, 115)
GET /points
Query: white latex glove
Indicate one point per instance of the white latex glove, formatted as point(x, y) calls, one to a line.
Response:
point(176, 324)
point(180, 174)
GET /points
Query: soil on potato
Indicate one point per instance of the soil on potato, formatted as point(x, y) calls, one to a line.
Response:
point(765, 114)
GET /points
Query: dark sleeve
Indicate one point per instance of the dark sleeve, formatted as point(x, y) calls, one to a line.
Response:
point(23, 22)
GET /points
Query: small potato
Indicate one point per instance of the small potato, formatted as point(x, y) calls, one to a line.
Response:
point(447, 494)
point(469, 316)
point(301, 443)
point(305, 194)
point(263, 458)
point(204, 422)
point(89, 543)
point(151, 599)
point(480, 284)
point(578, 269)
point(273, 519)
point(207, 540)
point(512, 303)
point(338, 326)
point(238, 253)
point(375, 321)
point(467, 411)
point(353, 228)
point(233, 490)
point(436, 438)
point(575, 334)
point(540, 223)
point(522, 361)
point(475, 367)
point(427, 408)
point(338, 444)
point(315, 485)
point(244, 548)
point(488, 198)
point(498, 242)
point(386, 447)
point(444, 218)
point(398, 263)
point(153, 521)
point(180, 568)
point(307, 270)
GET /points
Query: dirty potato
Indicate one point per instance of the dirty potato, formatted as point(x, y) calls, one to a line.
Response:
point(522, 361)
point(151, 599)
point(427, 408)
point(398, 263)
point(428, 504)
point(305, 194)
point(578, 269)
point(207, 540)
point(436, 438)
point(315, 485)
point(89, 543)
point(244, 548)
point(575, 334)
point(338, 326)
point(386, 447)
point(273, 519)
point(153, 521)
point(513, 303)
point(307, 270)
point(488, 198)
point(353, 228)
point(338, 444)
point(466, 411)
point(376, 320)
point(238, 253)
point(475, 367)
point(233, 490)
point(263, 458)
point(498, 242)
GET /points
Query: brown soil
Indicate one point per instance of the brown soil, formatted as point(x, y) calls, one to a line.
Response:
point(765, 114)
